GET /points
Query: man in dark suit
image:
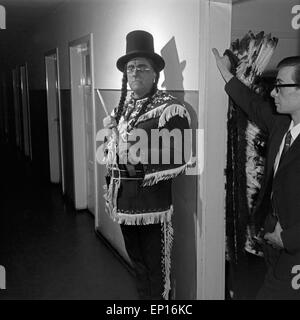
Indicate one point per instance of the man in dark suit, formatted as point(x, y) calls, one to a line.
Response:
point(281, 122)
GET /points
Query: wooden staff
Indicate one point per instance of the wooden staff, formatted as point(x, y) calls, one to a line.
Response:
point(102, 102)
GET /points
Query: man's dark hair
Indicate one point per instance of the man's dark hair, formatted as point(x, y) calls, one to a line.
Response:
point(291, 62)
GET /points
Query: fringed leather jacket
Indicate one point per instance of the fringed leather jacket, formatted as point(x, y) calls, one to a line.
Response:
point(140, 192)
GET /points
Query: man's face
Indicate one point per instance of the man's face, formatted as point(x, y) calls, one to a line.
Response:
point(287, 99)
point(140, 80)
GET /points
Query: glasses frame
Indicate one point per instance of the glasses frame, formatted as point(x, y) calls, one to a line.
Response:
point(285, 85)
point(137, 69)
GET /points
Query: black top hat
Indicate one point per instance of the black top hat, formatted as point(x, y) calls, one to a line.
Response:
point(140, 44)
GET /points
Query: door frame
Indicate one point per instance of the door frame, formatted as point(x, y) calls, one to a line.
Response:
point(17, 111)
point(54, 52)
point(214, 31)
point(77, 138)
point(29, 114)
point(26, 115)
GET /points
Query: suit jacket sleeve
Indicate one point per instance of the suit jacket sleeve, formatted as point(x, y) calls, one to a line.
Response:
point(259, 110)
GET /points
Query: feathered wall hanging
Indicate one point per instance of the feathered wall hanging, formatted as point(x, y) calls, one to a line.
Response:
point(246, 147)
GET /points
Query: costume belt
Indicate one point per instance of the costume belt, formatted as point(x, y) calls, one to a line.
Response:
point(123, 174)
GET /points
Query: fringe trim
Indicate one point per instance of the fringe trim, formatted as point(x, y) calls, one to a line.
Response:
point(254, 164)
point(154, 113)
point(144, 218)
point(168, 233)
point(111, 146)
point(172, 111)
point(111, 196)
point(153, 178)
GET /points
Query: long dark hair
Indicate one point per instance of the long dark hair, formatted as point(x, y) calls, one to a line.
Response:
point(120, 109)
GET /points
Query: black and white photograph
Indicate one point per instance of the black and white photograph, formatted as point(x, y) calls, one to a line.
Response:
point(150, 152)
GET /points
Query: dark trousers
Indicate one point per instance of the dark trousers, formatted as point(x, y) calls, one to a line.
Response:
point(144, 247)
point(274, 288)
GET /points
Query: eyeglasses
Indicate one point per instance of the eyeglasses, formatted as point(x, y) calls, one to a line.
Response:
point(278, 86)
point(131, 69)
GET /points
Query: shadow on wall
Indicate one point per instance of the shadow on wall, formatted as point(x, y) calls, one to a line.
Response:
point(184, 254)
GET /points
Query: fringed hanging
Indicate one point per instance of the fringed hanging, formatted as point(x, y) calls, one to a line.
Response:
point(111, 195)
point(237, 211)
point(166, 254)
point(246, 147)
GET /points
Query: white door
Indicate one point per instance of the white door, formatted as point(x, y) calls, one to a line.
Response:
point(83, 123)
point(53, 110)
point(25, 111)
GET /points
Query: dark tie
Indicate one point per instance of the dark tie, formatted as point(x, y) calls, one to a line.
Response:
point(287, 144)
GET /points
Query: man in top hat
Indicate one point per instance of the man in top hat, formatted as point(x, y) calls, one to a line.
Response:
point(138, 194)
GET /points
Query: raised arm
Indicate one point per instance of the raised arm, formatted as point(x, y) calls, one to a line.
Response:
point(260, 111)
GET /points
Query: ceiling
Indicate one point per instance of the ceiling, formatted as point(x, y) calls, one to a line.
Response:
point(21, 14)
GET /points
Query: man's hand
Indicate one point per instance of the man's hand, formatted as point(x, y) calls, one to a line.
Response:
point(274, 238)
point(223, 64)
point(109, 122)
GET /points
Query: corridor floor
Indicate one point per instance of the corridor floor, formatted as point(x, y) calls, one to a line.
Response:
point(49, 250)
